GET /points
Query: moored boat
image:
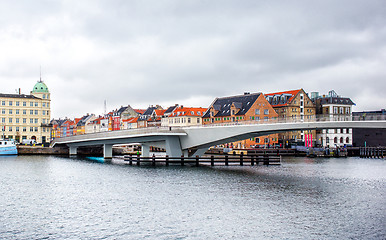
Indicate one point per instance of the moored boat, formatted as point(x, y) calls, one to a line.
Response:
point(8, 147)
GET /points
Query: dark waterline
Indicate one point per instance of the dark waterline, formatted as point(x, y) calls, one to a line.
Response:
point(65, 198)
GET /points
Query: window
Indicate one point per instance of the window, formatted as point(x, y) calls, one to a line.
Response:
point(3, 103)
point(24, 104)
point(341, 110)
point(266, 111)
point(341, 140)
point(257, 111)
point(31, 112)
point(10, 103)
point(24, 111)
point(44, 96)
point(10, 111)
point(36, 104)
point(17, 129)
point(36, 120)
point(335, 140)
point(24, 129)
point(335, 110)
point(17, 120)
point(17, 103)
point(44, 104)
point(3, 111)
point(10, 129)
point(36, 112)
point(31, 120)
point(198, 120)
point(31, 104)
point(3, 120)
point(17, 111)
point(327, 140)
point(24, 120)
point(347, 140)
point(10, 120)
point(31, 129)
point(36, 129)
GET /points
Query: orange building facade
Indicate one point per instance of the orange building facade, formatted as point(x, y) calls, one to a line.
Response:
point(253, 108)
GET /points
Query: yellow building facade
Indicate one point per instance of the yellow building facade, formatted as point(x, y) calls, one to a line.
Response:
point(26, 116)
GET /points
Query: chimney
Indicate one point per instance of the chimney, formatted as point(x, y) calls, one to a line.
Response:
point(19, 91)
point(247, 93)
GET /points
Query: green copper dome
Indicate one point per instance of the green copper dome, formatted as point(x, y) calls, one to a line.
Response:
point(40, 87)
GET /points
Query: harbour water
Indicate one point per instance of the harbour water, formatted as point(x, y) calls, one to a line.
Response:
point(45, 197)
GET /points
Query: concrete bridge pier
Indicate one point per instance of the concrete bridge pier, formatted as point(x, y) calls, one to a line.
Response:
point(173, 146)
point(107, 151)
point(145, 150)
point(73, 151)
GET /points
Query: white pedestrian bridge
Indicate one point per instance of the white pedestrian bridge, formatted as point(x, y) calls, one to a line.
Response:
point(196, 140)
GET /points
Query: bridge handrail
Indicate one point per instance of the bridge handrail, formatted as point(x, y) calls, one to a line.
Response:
point(179, 129)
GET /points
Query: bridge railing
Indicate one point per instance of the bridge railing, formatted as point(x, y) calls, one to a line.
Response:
point(298, 119)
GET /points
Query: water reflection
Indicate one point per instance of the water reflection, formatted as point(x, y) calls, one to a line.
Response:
point(54, 198)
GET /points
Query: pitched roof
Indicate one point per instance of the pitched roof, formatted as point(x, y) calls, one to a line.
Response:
point(188, 111)
point(336, 100)
point(171, 109)
point(242, 102)
point(131, 120)
point(140, 111)
point(280, 99)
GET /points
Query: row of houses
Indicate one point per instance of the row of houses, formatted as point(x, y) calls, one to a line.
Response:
point(293, 105)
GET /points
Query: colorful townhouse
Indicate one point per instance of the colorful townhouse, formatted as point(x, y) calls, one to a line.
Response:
point(293, 105)
point(241, 108)
point(182, 116)
point(151, 117)
point(335, 107)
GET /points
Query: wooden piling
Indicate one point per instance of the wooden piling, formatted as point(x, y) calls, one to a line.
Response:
point(241, 159)
point(130, 160)
point(197, 160)
point(167, 160)
point(212, 160)
point(138, 160)
point(252, 160)
point(153, 160)
point(182, 160)
point(226, 160)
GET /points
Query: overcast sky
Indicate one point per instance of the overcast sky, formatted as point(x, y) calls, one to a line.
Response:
point(190, 51)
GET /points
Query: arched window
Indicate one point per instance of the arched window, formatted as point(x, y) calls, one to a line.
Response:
point(347, 140)
point(341, 140)
point(327, 140)
point(335, 140)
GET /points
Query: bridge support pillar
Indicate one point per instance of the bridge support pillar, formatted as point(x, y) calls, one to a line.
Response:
point(145, 150)
point(73, 151)
point(108, 151)
point(199, 152)
point(173, 146)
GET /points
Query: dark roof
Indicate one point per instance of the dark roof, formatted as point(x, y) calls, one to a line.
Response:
point(18, 96)
point(119, 112)
point(149, 111)
point(170, 109)
point(242, 102)
point(336, 100)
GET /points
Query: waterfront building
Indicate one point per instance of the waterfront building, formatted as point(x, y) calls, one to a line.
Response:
point(183, 117)
point(333, 106)
point(293, 105)
point(151, 117)
point(366, 137)
point(242, 108)
point(27, 116)
point(130, 123)
point(94, 125)
point(82, 123)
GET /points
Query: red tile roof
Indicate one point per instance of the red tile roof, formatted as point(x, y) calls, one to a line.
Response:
point(188, 111)
point(292, 92)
